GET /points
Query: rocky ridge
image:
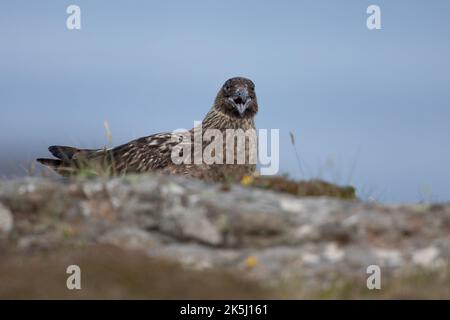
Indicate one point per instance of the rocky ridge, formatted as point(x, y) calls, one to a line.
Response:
point(279, 241)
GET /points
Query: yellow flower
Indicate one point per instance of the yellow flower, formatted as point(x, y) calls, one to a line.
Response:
point(251, 262)
point(246, 180)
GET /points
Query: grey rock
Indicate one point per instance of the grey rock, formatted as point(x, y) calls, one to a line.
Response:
point(263, 235)
point(6, 220)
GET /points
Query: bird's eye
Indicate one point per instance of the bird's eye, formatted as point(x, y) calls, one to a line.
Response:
point(227, 86)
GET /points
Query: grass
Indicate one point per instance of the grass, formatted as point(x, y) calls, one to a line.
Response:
point(414, 284)
point(311, 188)
point(112, 273)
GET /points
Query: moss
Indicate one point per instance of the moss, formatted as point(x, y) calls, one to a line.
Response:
point(312, 188)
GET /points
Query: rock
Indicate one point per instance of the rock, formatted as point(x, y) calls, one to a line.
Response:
point(6, 220)
point(425, 257)
point(129, 238)
point(275, 239)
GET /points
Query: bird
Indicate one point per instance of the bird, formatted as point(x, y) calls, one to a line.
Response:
point(234, 108)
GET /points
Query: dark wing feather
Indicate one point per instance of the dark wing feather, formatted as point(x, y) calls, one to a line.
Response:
point(70, 153)
point(141, 155)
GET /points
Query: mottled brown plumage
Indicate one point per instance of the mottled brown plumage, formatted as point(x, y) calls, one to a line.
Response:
point(234, 108)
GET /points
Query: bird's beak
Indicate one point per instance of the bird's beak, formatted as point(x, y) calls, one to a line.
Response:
point(241, 108)
point(240, 100)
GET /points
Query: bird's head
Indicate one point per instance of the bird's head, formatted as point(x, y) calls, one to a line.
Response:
point(237, 98)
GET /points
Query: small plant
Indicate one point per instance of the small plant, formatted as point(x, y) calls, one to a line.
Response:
point(297, 156)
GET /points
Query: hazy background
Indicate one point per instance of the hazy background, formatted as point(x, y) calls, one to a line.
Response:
point(369, 108)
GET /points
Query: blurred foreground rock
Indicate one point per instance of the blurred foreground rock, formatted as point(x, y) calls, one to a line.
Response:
point(244, 242)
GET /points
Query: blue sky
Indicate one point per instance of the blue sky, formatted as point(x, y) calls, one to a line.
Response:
point(370, 108)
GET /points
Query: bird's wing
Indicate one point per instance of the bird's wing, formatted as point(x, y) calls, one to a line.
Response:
point(144, 154)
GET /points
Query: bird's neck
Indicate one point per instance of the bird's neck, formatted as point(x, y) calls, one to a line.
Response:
point(216, 119)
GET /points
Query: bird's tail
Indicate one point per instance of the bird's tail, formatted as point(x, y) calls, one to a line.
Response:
point(65, 153)
point(69, 160)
